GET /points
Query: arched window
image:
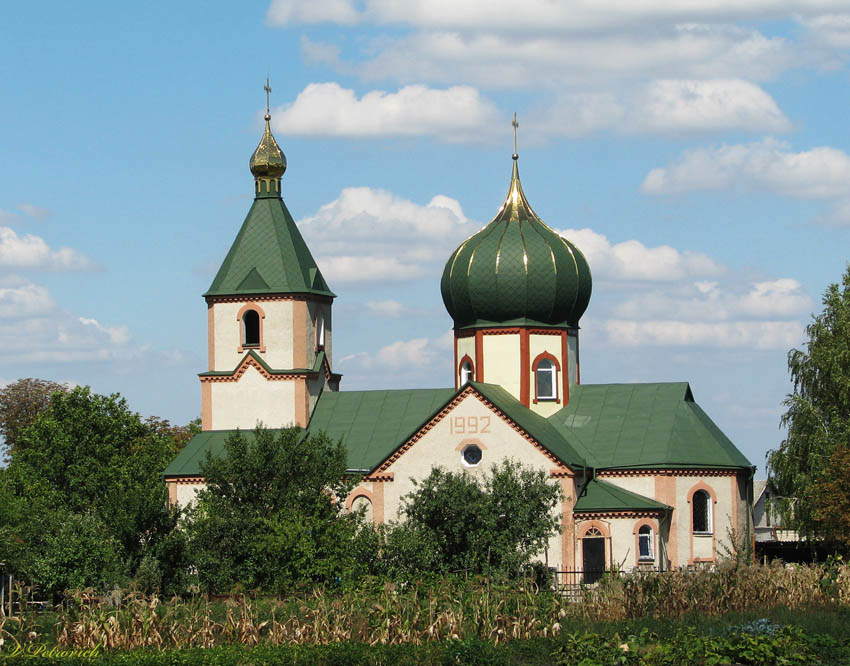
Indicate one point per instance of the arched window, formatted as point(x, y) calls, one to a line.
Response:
point(701, 506)
point(645, 551)
point(465, 373)
point(250, 329)
point(546, 380)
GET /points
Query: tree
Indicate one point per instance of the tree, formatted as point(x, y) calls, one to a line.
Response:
point(90, 462)
point(271, 514)
point(817, 418)
point(20, 404)
point(458, 522)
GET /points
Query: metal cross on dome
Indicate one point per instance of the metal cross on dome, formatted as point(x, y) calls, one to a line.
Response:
point(268, 90)
point(515, 125)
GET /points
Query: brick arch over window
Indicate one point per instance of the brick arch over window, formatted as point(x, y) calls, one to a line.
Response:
point(653, 526)
point(702, 486)
point(546, 356)
point(239, 318)
point(465, 360)
point(588, 525)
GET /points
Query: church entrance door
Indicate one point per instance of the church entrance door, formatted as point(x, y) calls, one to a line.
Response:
point(593, 558)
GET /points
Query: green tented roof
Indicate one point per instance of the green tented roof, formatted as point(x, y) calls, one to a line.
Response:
point(644, 425)
point(603, 496)
point(372, 424)
point(269, 256)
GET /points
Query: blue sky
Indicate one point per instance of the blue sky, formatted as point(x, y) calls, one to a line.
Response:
point(697, 152)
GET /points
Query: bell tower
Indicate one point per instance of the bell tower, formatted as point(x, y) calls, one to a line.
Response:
point(269, 325)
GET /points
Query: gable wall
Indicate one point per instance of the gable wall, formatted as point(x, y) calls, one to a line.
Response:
point(471, 420)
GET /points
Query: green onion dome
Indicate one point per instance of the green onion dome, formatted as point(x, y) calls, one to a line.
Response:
point(516, 271)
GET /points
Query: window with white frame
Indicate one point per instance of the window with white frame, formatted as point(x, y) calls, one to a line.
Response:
point(250, 329)
point(701, 502)
point(465, 373)
point(645, 550)
point(546, 380)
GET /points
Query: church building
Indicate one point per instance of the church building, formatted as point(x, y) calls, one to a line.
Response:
point(648, 480)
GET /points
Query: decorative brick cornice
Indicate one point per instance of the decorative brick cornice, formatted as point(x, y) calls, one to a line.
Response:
point(268, 297)
point(561, 473)
point(545, 331)
point(660, 471)
point(625, 514)
point(251, 362)
point(380, 477)
point(184, 480)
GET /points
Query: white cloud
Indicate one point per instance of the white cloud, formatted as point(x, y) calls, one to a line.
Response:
point(552, 61)
point(387, 308)
point(537, 15)
point(459, 113)
point(367, 235)
point(34, 329)
point(30, 251)
point(632, 260)
point(674, 333)
point(407, 356)
point(709, 301)
point(293, 12)
point(21, 298)
point(34, 211)
point(709, 105)
point(821, 172)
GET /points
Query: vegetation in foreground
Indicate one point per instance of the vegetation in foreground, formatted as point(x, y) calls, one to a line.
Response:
point(698, 641)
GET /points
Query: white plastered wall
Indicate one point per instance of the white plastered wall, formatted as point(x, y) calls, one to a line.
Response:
point(572, 358)
point(716, 544)
point(469, 420)
point(502, 361)
point(187, 492)
point(277, 334)
point(253, 398)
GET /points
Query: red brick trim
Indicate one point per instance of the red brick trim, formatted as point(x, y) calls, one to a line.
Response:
point(380, 477)
point(587, 525)
point(565, 375)
point(479, 356)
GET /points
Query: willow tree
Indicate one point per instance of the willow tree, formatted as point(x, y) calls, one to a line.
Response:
point(817, 417)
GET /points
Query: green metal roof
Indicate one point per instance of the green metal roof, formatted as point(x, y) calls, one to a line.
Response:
point(603, 496)
point(269, 256)
point(373, 424)
point(516, 271)
point(644, 425)
point(559, 442)
point(188, 461)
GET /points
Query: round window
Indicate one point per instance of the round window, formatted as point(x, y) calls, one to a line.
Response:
point(472, 455)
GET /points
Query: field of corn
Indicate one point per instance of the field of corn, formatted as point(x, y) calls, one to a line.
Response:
point(391, 614)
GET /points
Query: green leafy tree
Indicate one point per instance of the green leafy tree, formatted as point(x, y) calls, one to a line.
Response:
point(459, 522)
point(89, 461)
point(817, 416)
point(20, 404)
point(270, 516)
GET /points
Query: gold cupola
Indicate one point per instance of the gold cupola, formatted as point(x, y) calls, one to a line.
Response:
point(268, 163)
